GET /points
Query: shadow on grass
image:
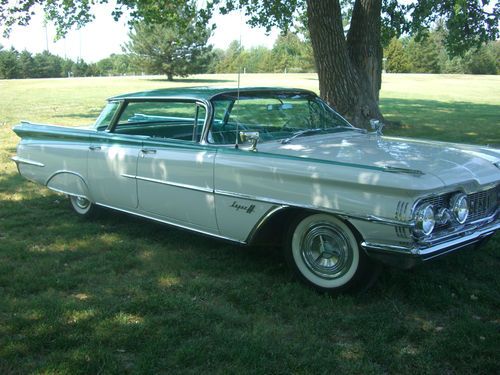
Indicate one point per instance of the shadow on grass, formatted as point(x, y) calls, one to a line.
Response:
point(191, 80)
point(125, 295)
point(461, 122)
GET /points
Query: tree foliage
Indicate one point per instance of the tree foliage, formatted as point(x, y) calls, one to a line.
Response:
point(397, 59)
point(348, 66)
point(429, 55)
point(170, 50)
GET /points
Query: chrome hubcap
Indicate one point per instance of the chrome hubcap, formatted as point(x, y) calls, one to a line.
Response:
point(326, 251)
point(82, 203)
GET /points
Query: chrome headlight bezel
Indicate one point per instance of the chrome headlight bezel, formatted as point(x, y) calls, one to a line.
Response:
point(459, 205)
point(425, 220)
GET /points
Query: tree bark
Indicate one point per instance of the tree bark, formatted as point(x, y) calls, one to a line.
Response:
point(170, 76)
point(363, 42)
point(349, 70)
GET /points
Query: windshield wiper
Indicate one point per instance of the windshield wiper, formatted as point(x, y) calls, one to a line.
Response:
point(300, 133)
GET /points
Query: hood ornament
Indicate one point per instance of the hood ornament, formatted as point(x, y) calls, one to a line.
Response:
point(377, 126)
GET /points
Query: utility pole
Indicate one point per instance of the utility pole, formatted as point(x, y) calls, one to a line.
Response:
point(46, 34)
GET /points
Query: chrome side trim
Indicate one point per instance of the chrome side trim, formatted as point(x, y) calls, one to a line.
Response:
point(68, 193)
point(168, 183)
point(133, 177)
point(19, 160)
point(388, 248)
point(173, 224)
point(414, 172)
point(65, 171)
point(371, 218)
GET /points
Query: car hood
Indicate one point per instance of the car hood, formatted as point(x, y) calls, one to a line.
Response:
point(449, 162)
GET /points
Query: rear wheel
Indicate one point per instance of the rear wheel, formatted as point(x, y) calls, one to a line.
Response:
point(324, 253)
point(83, 207)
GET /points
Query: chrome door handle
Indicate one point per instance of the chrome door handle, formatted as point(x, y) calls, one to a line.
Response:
point(148, 151)
point(94, 148)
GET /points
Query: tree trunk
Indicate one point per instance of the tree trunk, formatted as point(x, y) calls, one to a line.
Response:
point(170, 76)
point(349, 71)
point(363, 42)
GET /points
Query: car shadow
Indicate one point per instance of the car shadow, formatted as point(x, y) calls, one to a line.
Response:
point(124, 294)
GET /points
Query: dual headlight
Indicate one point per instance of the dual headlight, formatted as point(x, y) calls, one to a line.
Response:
point(427, 216)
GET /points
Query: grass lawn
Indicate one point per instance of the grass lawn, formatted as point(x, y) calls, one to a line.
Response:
point(124, 295)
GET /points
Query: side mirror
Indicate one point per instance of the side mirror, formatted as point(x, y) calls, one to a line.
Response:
point(377, 126)
point(252, 137)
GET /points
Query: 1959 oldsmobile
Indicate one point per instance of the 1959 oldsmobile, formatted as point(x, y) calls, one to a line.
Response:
point(256, 164)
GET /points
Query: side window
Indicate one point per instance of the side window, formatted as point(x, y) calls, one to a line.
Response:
point(162, 119)
point(199, 121)
point(106, 116)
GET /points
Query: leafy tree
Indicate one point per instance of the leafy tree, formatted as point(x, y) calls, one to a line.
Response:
point(26, 64)
point(47, 65)
point(169, 50)
point(121, 64)
point(481, 61)
point(290, 54)
point(116, 64)
point(424, 54)
point(494, 48)
point(349, 67)
point(398, 60)
point(233, 59)
point(9, 65)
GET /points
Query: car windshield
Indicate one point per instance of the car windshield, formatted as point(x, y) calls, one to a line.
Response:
point(280, 116)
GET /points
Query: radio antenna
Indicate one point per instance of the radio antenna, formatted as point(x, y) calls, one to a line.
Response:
point(236, 145)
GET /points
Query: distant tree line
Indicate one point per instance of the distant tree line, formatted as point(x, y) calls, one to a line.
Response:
point(291, 53)
point(429, 55)
point(24, 64)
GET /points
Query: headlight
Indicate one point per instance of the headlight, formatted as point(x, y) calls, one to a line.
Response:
point(424, 220)
point(460, 207)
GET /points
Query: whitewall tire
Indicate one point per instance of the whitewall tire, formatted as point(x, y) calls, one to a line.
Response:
point(82, 206)
point(325, 254)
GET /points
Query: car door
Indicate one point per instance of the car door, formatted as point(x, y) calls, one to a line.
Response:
point(174, 172)
point(112, 165)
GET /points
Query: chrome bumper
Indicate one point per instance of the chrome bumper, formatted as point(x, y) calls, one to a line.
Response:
point(406, 257)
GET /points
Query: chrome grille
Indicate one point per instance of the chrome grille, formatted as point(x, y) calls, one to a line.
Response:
point(483, 204)
point(439, 200)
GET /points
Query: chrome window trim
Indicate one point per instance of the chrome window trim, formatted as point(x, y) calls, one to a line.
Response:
point(202, 102)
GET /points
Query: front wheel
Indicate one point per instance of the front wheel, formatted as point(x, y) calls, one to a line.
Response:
point(83, 207)
point(324, 253)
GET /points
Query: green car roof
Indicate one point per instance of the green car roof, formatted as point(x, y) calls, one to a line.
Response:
point(207, 93)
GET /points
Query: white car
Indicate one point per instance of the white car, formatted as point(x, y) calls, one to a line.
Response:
point(276, 165)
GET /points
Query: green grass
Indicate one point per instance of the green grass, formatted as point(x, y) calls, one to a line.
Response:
point(123, 295)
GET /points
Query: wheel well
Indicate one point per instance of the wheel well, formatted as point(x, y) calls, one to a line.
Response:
point(273, 231)
point(275, 228)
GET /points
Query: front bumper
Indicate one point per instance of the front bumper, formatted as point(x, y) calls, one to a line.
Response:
point(404, 257)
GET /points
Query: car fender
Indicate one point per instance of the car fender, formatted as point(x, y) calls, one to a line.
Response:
point(68, 182)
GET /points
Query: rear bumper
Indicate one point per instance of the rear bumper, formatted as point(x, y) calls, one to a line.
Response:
point(404, 257)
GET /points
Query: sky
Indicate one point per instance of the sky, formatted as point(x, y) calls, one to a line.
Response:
point(104, 36)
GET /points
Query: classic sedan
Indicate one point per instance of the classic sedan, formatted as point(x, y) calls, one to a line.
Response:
point(273, 165)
